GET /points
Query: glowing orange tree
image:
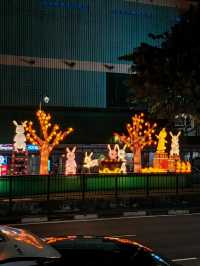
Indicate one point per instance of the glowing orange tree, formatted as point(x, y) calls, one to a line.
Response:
point(49, 140)
point(140, 135)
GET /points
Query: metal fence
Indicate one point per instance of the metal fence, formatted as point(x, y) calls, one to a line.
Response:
point(57, 194)
point(95, 186)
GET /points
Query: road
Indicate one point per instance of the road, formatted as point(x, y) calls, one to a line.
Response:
point(177, 237)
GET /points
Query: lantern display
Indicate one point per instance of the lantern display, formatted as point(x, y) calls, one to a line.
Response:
point(90, 163)
point(163, 162)
point(19, 160)
point(116, 161)
point(51, 137)
point(140, 134)
point(70, 164)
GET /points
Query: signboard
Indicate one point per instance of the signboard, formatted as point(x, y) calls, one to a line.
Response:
point(9, 147)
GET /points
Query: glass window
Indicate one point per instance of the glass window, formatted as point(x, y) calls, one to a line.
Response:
point(195, 154)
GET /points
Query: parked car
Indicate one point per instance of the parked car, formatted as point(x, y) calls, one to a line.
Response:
point(21, 248)
point(105, 251)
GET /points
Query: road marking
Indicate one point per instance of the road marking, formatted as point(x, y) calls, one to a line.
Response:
point(104, 219)
point(193, 258)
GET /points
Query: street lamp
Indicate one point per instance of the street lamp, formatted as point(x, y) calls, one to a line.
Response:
point(45, 100)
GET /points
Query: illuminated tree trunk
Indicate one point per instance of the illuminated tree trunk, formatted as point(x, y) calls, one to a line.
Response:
point(137, 160)
point(51, 136)
point(140, 134)
point(44, 157)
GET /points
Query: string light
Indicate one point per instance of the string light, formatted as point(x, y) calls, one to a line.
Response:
point(139, 135)
point(49, 140)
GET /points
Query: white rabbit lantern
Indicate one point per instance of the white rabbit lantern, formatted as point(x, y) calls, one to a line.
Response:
point(122, 154)
point(174, 144)
point(113, 153)
point(70, 164)
point(123, 168)
point(20, 138)
point(89, 162)
point(121, 157)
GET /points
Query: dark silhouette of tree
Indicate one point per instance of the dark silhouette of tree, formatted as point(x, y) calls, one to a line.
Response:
point(167, 78)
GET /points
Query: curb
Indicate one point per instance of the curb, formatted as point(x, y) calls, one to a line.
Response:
point(94, 216)
point(34, 219)
point(137, 213)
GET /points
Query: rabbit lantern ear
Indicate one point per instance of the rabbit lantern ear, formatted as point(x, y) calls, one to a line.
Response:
point(109, 147)
point(73, 150)
point(15, 123)
point(124, 147)
point(116, 147)
point(24, 123)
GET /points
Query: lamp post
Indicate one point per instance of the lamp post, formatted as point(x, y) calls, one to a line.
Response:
point(45, 100)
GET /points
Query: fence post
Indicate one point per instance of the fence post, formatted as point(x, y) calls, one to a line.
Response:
point(176, 184)
point(48, 187)
point(10, 194)
point(83, 187)
point(147, 184)
point(116, 187)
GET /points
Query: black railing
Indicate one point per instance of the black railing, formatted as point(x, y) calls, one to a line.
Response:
point(94, 186)
point(25, 195)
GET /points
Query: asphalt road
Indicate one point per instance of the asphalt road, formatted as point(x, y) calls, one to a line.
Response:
point(177, 237)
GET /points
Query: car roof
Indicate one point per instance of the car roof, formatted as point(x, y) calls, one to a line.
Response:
point(94, 242)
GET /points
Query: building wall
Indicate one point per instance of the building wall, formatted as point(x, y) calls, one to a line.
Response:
point(64, 49)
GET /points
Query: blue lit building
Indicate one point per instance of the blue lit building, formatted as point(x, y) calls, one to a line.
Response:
point(69, 50)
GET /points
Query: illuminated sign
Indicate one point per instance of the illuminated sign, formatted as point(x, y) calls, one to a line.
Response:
point(6, 147)
point(31, 147)
point(3, 165)
point(9, 147)
point(3, 169)
point(3, 159)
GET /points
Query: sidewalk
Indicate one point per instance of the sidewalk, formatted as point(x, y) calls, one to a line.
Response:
point(28, 212)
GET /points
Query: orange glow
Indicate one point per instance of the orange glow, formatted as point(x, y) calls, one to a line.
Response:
point(48, 141)
point(127, 241)
point(139, 135)
point(162, 140)
point(153, 170)
point(22, 235)
point(163, 162)
point(109, 171)
point(51, 240)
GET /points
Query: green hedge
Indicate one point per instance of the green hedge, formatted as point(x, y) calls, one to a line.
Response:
point(33, 185)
